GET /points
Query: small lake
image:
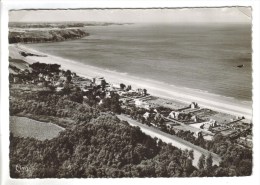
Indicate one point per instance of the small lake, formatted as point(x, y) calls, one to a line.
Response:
point(25, 127)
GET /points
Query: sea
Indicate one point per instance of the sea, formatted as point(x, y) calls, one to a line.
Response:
point(198, 56)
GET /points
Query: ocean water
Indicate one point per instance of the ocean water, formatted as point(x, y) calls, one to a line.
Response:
point(203, 57)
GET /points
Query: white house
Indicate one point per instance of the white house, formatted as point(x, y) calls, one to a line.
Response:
point(138, 102)
point(99, 80)
point(194, 118)
point(194, 105)
point(116, 85)
point(174, 115)
point(197, 134)
point(59, 89)
point(146, 115)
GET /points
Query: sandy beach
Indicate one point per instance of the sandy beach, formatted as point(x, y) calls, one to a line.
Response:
point(155, 88)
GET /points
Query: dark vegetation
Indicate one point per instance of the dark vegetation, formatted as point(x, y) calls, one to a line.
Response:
point(104, 147)
point(36, 36)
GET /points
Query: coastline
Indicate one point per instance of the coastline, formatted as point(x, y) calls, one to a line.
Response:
point(212, 101)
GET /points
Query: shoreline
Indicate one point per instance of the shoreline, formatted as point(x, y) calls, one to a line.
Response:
point(215, 102)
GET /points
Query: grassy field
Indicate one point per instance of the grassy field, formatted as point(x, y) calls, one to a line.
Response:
point(25, 127)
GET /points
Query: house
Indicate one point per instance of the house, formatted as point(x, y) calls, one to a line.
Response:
point(58, 89)
point(157, 116)
point(116, 85)
point(121, 93)
point(41, 79)
point(108, 94)
point(213, 122)
point(138, 102)
point(58, 84)
point(47, 78)
point(99, 81)
point(124, 100)
point(140, 91)
point(198, 134)
point(61, 73)
point(194, 118)
point(147, 106)
point(16, 79)
point(146, 115)
point(174, 115)
point(210, 124)
point(194, 105)
point(100, 102)
point(141, 104)
point(40, 75)
point(73, 75)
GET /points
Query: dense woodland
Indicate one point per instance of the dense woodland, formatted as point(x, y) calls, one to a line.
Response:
point(97, 144)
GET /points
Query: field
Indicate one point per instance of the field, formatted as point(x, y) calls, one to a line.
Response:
point(24, 127)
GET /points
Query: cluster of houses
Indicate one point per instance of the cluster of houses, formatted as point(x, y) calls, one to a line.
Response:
point(128, 96)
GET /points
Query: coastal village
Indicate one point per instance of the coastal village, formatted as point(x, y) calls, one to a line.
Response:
point(168, 115)
point(102, 125)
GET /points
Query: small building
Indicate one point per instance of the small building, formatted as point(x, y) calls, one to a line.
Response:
point(147, 106)
point(213, 122)
point(142, 104)
point(194, 105)
point(100, 102)
point(58, 89)
point(210, 124)
point(157, 116)
point(16, 79)
point(40, 75)
point(198, 134)
point(138, 102)
point(146, 115)
point(194, 118)
point(73, 75)
point(47, 78)
point(121, 93)
point(62, 73)
point(58, 84)
point(140, 91)
point(99, 81)
point(116, 86)
point(174, 115)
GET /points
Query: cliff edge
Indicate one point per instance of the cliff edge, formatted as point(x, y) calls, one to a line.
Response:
point(45, 35)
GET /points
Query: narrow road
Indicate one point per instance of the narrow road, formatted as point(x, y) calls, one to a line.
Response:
point(191, 128)
point(174, 140)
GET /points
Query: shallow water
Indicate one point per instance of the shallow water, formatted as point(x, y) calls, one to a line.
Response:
point(202, 57)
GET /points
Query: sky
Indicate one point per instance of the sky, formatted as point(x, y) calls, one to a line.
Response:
point(181, 15)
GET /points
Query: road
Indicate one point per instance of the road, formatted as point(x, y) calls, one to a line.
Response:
point(191, 128)
point(174, 140)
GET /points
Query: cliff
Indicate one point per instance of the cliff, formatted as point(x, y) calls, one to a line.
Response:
point(45, 35)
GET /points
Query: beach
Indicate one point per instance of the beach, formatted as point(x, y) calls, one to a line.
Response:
point(155, 88)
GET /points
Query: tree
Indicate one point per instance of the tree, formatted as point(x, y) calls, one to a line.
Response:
point(201, 162)
point(122, 86)
point(129, 87)
point(209, 162)
point(191, 154)
point(145, 92)
point(68, 78)
point(68, 73)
